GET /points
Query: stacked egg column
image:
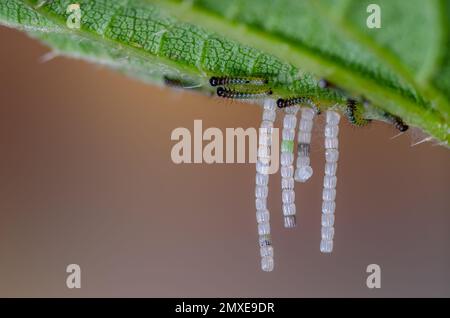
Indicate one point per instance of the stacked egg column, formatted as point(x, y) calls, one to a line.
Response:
point(262, 185)
point(330, 180)
point(287, 166)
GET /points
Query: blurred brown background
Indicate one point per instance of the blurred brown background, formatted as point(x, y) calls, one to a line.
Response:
point(86, 178)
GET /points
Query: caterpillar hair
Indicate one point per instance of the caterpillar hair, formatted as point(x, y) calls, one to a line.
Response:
point(225, 81)
point(234, 94)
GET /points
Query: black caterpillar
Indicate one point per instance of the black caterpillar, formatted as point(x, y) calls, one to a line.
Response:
point(225, 81)
point(234, 94)
point(354, 114)
point(397, 122)
point(283, 103)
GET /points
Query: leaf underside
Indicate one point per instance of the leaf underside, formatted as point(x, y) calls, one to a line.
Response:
point(402, 68)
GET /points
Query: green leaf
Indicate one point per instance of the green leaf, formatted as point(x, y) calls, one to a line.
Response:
point(402, 68)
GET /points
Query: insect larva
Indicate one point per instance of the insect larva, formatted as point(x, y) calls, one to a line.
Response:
point(225, 81)
point(400, 125)
point(283, 103)
point(234, 94)
point(397, 122)
point(354, 114)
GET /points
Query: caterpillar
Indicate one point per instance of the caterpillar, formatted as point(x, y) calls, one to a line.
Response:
point(354, 114)
point(283, 103)
point(353, 111)
point(398, 123)
point(226, 80)
point(234, 94)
